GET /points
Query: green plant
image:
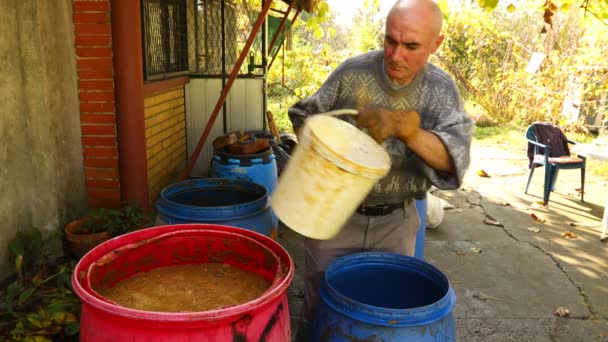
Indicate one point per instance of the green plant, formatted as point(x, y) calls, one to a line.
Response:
point(39, 305)
point(130, 217)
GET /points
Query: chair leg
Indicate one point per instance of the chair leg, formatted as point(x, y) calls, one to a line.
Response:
point(530, 178)
point(583, 184)
point(554, 178)
point(547, 185)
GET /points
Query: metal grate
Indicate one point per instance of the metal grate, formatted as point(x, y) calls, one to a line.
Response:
point(205, 35)
point(165, 38)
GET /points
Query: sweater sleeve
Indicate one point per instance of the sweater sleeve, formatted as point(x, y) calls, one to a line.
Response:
point(454, 128)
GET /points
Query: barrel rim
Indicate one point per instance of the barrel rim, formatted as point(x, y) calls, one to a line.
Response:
point(386, 316)
point(276, 290)
point(164, 204)
point(267, 156)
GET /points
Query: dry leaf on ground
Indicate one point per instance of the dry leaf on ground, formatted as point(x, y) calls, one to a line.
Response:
point(475, 250)
point(534, 229)
point(492, 223)
point(538, 219)
point(538, 205)
point(569, 235)
point(503, 203)
point(562, 312)
point(482, 173)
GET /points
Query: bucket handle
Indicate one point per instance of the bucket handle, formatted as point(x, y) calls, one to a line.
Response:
point(343, 111)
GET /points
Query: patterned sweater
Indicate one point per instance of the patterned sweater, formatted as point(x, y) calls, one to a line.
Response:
point(360, 82)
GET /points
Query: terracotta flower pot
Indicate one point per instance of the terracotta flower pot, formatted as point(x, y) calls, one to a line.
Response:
point(80, 244)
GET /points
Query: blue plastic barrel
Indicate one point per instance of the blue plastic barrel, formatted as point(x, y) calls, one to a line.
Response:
point(222, 201)
point(259, 168)
point(377, 296)
point(421, 207)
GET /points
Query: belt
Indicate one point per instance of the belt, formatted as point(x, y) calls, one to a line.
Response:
point(379, 210)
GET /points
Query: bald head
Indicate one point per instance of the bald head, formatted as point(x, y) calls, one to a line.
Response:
point(413, 32)
point(424, 10)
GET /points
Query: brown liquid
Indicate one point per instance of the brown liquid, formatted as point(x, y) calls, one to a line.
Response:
point(192, 288)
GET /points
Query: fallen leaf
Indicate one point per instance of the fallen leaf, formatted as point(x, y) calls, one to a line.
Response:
point(569, 235)
point(483, 296)
point(492, 223)
point(562, 312)
point(534, 229)
point(482, 173)
point(475, 250)
point(538, 219)
point(538, 204)
point(579, 190)
point(503, 203)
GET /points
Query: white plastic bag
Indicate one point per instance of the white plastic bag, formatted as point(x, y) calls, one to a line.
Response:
point(434, 210)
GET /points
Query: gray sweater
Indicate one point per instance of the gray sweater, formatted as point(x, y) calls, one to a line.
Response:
point(361, 82)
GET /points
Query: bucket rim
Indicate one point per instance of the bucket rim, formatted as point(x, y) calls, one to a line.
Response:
point(386, 316)
point(318, 144)
point(277, 289)
point(164, 204)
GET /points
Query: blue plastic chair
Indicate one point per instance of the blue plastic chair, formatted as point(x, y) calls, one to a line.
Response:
point(552, 164)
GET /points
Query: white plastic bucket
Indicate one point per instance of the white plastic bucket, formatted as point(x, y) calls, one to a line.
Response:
point(332, 170)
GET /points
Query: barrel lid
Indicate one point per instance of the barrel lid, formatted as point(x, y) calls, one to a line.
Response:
point(347, 146)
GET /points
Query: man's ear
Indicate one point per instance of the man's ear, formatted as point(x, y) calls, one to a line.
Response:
point(438, 42)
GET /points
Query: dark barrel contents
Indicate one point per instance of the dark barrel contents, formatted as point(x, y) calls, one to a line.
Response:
point(387, 286)
point(216, 197)
point(187, 288)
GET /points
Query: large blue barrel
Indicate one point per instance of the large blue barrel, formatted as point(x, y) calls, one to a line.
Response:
point(259, 168)
point(377, 296)
point(230, 202)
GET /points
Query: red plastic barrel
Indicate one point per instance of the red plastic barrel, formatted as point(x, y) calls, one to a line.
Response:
point(263, 319)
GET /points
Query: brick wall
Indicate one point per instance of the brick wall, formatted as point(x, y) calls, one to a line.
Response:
point(165, 138)
point(93, 42)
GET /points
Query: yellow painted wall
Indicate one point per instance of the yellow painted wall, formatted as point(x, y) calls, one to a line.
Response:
point(165, 117)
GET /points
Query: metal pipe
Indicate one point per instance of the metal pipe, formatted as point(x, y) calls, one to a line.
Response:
point(235, 70)
point(129, 92)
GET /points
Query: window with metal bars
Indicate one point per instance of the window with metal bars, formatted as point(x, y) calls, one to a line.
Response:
point(206, 35)
point(164, 31)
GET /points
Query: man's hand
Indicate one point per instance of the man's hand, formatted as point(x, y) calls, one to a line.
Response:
point(384, 123)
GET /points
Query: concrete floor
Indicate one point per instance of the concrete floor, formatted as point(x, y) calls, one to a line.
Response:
point(509, 281)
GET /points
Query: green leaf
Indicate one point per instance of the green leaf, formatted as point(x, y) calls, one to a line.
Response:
point(443, 5)
point(35, 240)
point(318, 33)
point(25, 295)
point(72, 328)
point(17, 246)
point(511, 8)
point(33, 321)
point(56, 308)
point(13, 289)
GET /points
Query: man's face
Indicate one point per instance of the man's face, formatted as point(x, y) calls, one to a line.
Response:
point(408, 43)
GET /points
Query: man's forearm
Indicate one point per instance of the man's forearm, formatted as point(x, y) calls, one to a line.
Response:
point(430, 148)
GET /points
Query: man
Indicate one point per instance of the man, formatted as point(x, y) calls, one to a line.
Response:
point(414, 109)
